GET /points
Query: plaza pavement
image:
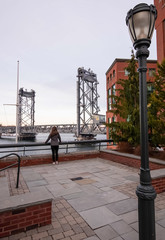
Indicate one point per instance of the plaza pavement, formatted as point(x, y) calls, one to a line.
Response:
point(93, 199)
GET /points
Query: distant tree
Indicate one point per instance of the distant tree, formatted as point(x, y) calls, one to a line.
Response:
point(156, 108)
point(126, 105)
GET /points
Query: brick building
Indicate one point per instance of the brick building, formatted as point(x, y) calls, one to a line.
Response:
point(160, 29)
point(115, 72)
point(117, 69)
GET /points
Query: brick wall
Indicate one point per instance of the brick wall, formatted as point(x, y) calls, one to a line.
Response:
point(129, 161)
point(45, 159)
point(160, 29)
point(19, 220)
point(159, 184)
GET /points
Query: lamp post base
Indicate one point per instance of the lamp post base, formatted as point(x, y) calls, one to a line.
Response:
point(146, 211)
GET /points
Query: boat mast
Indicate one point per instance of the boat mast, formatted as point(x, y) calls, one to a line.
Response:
point(17, 102)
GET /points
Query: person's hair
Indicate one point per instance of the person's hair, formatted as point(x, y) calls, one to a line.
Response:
point(54, 131)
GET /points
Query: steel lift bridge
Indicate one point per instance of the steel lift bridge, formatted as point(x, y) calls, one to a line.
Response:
point(87, 104)
point(26, 104)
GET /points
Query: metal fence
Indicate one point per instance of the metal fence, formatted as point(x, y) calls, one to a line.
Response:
point(64, 147)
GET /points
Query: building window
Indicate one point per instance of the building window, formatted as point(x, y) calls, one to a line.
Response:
point(128, 118)
point(109, 99)
point(151, 72)
point(150, 88)
point(109, 121)
point(110, 76)
point(113, 119)
point(108, 80)
point(109, 103)
point(113, 73)
point(126, 72)
point(113, 89)
point(113, 93)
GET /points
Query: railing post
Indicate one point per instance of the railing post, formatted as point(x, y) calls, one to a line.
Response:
point(66, 148)
point(99, 146)
point(24, 151)
point(18, 172)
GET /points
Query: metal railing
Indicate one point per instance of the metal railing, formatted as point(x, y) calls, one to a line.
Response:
point(64, 147)
point(14, 164)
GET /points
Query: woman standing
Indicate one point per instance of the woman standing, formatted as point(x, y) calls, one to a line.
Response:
point(55, 140)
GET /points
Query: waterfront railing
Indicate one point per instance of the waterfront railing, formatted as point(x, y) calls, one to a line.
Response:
point(25, 149)
point(13, 164)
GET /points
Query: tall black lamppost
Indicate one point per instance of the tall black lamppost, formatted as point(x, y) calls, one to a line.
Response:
point(141, 21)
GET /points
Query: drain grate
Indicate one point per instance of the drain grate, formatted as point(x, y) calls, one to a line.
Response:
point(76, 179)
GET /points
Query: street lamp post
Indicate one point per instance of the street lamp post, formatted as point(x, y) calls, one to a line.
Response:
point(140, 21)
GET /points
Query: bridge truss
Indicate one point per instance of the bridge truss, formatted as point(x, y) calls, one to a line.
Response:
point(26, 114)
point(87, 102)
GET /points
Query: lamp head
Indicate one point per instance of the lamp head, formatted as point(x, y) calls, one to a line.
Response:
point(141, 21)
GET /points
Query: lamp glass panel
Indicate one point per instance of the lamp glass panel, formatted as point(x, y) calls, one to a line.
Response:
point(152, 25)
point(141, 24)
point(131, 31)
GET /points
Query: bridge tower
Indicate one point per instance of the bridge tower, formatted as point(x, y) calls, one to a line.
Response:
point(26, 112)
point(87, 102)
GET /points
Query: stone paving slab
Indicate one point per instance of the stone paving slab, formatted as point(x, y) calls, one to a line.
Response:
point(161, 222)
point(65, 191)
point(90, 189)
point(36, 183)
point(80, 194)
point(131, 236)
point(121, 227)
point(4, 187)
point(106, 233)
point(130, 217)
point(93, 238)
point(160, 232)
point(24, 200)
point(118, 238)
point(112, 196)
point(87, 202)
point(98, 217)
point(124, 206)
point(31, 175)
point(132, 178)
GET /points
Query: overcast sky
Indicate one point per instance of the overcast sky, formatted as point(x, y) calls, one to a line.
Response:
point(52, 39)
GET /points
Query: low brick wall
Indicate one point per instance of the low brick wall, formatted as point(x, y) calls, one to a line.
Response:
point(131, 161)
point(158, 180)
point(159, 184)
point(23, 219)
point(46, 159)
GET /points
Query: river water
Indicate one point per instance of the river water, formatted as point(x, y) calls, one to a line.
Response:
point(41, 138)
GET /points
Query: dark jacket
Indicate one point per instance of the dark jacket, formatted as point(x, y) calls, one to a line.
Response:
point(55, 139)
